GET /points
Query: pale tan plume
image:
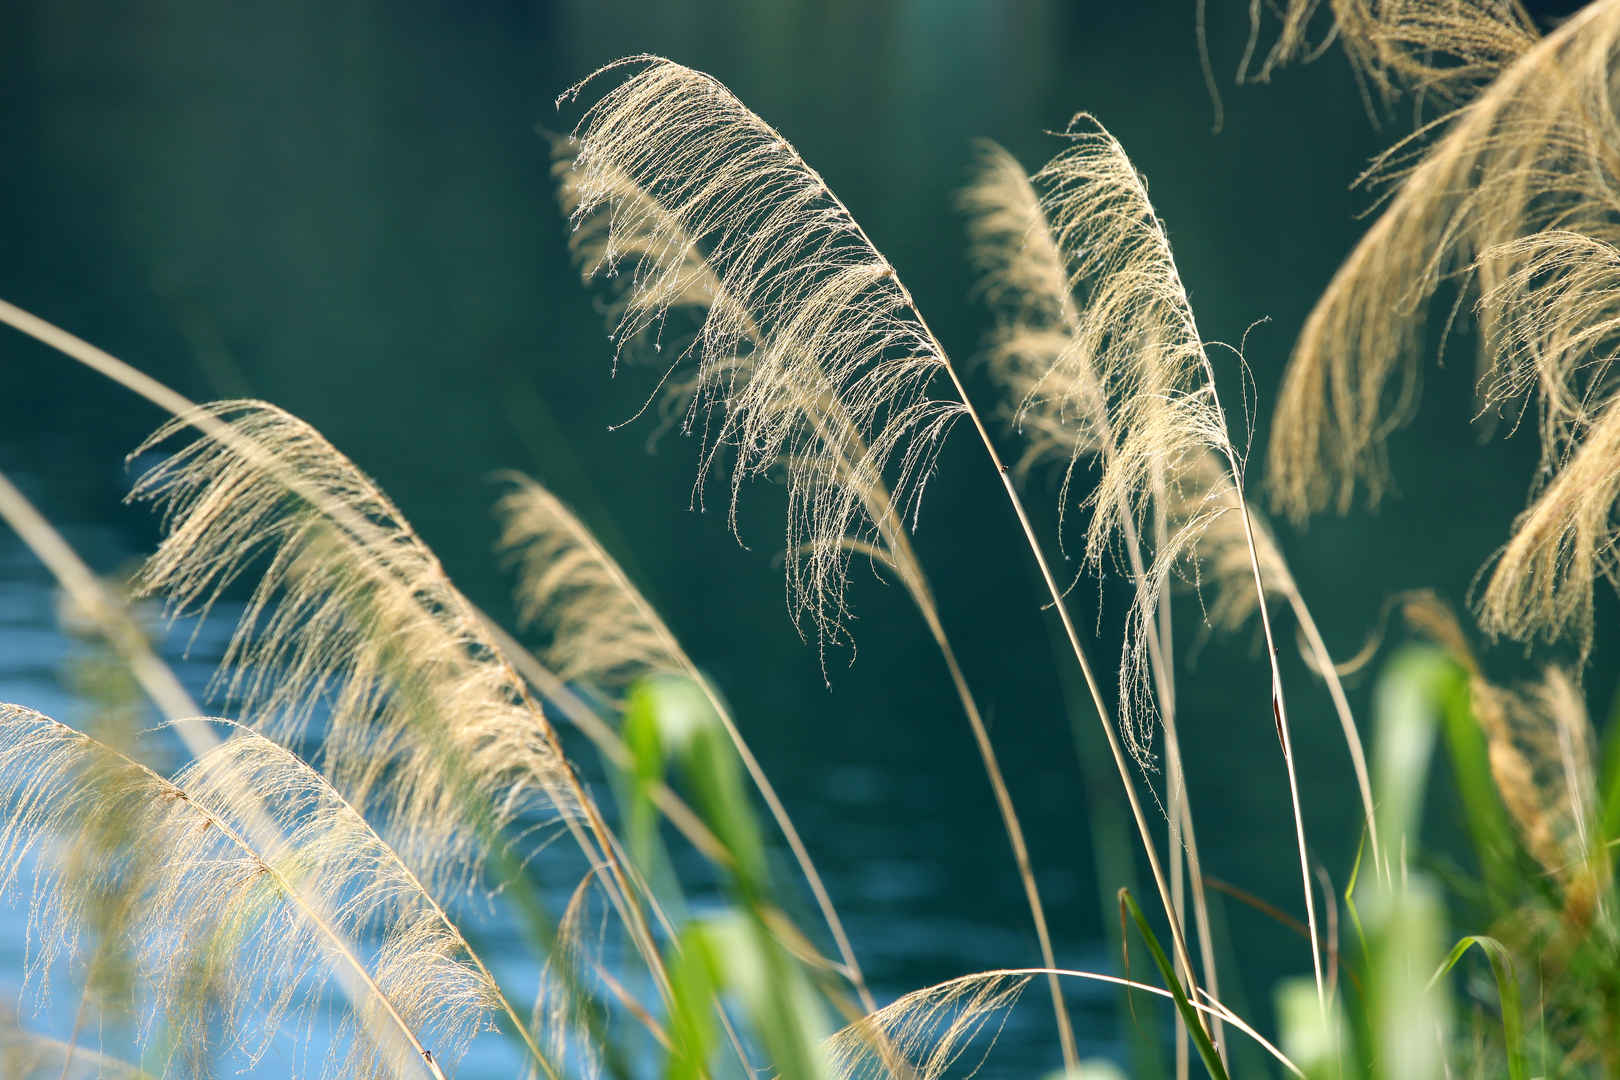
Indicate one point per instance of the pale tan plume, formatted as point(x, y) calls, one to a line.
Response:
point(1445, 49)
point(1558, 325)
point(1134, 387)
point(559, 1010)
point(801, 291)
point(98, 612)
point(936, 1024)
point(598, 627)
point(928, 1029)
point(1533, 152)
point(430, 731)
point(594, 838)
point(1515, 203)
point(1024, 278)
point(211, 901)
point(358, 613)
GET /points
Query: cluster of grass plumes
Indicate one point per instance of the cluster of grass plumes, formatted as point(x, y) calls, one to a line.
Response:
point(1506, 206)
point(1098, 348)
point(243, 887)
point(352, 611)
point(1512, 202)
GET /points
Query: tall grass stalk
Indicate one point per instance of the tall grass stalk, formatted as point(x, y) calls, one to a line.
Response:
point(649, 231)
point(832, 308)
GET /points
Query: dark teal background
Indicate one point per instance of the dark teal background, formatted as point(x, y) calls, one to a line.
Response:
point(344, 208)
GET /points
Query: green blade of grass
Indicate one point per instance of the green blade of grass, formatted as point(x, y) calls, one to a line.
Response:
point(1507, 990)
point(1195, 1024)
point(1495, 841)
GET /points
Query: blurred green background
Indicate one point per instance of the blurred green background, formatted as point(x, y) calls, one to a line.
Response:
point(345, 208)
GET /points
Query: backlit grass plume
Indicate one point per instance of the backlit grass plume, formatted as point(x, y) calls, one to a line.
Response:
point(599, 627)
point(447, 801)
point(1103, 346)
point(1558, 325)
point(1024, 278)
point(228, 933)
point(1443, 48)
point(1040, 354)
point(922, 1034)
point(1130, 383)
point(802, 294)
point(428, 727)
point(353, 611)
point(1532, 153)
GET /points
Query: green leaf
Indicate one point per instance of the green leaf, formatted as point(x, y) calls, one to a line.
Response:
point(1408, 1020)
point(1314, 1039)
point(1407, 703)
point(1507, 991)
point(1195, 1023)
point(1495, 841)
point(1609, 785)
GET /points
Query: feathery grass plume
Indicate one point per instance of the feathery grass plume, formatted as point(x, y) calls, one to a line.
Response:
point(1038, 353)
point(1130, 382)
point(600, 628)
point(808, 344)
point(934, 1026)
point(593, 837)
point(1024, 278)
point(1445, 49)
point(428, 727)
point(603, 238)
point(257, 913)
point(1558, 325)
point(96, 609)
point(1133, 344)
point(559, 1010)
point(358, 614)
point(818, 312)
point(1542, 582)
point(927, 1030)
point(604, 631)
point(1533, 152)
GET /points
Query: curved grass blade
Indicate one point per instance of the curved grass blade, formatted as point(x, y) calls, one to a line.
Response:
point(1507, 991)
point(1195, 1026)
